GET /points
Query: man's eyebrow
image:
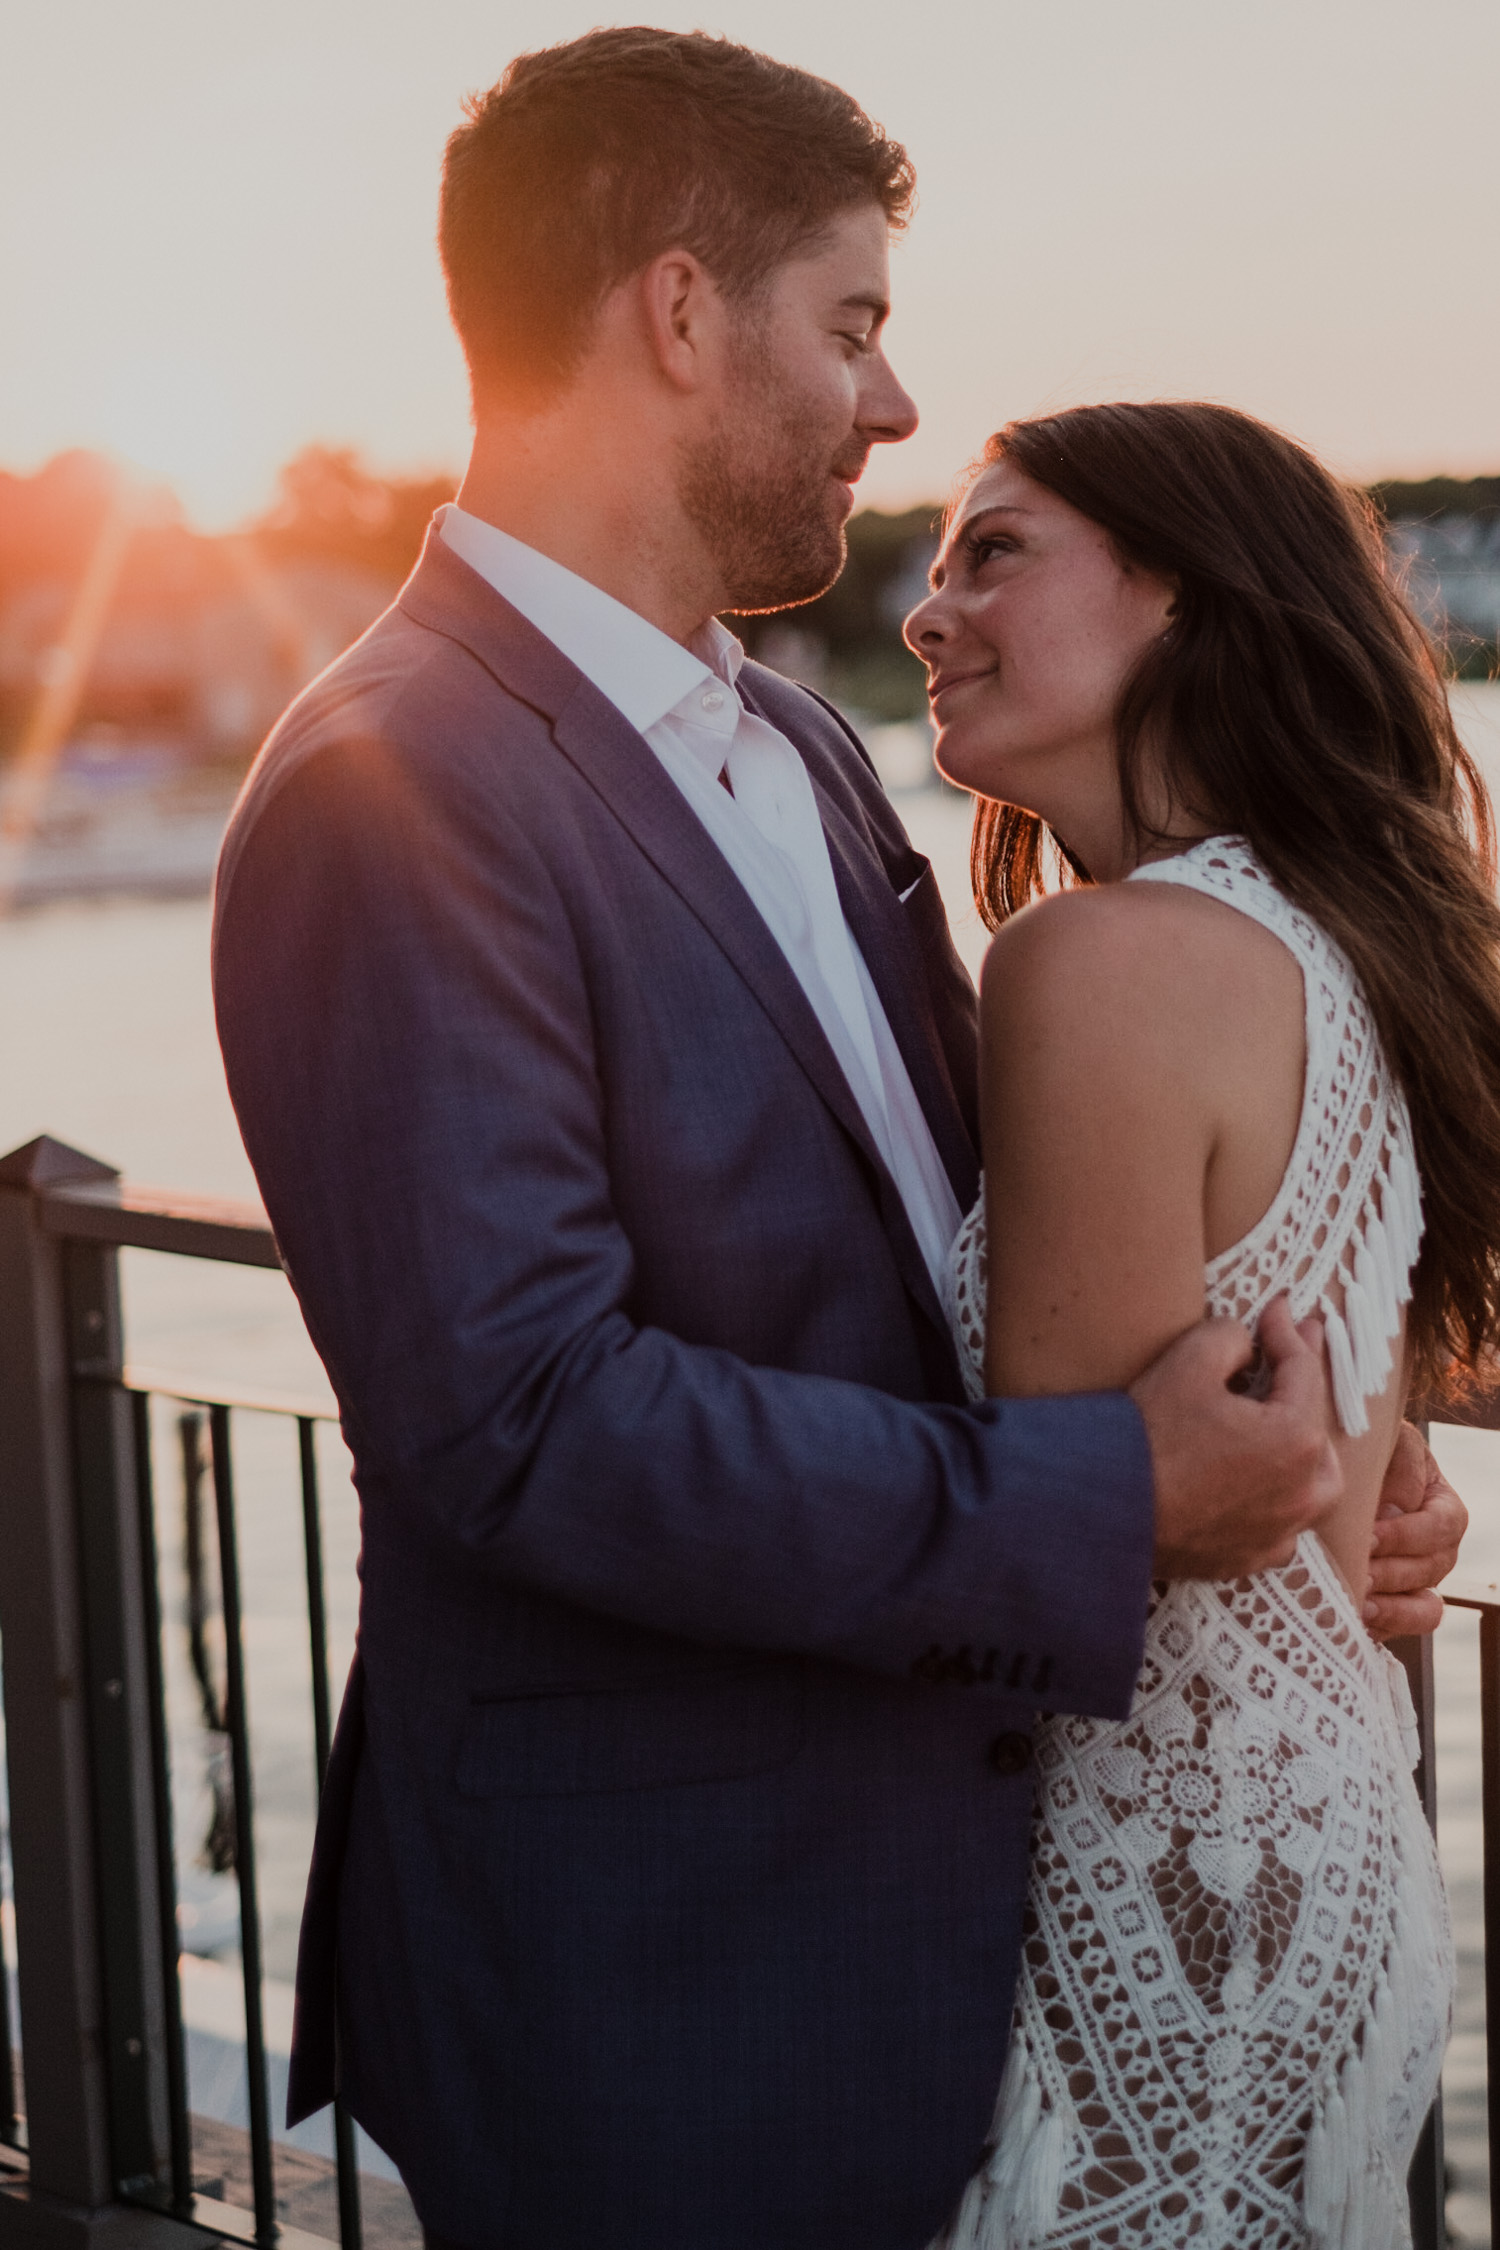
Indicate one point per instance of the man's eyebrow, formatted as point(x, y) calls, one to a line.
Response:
point(879, 307)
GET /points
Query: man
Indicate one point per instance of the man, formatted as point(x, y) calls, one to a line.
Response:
point(609, 1075)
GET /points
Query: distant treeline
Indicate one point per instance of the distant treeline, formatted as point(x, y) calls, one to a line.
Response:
point(1437, 496)
point(327, 508)
point(1444, 534)
point(848, 642)
point(330, 509)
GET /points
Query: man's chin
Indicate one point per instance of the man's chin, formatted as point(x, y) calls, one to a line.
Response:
point(791, 581)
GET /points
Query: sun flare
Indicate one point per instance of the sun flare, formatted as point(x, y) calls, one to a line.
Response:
point(169, 419)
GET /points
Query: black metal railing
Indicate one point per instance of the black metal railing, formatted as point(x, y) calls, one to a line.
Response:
point(102, 2043)
point(1488, 1607)
point(228, 1714)
point(12, 2135)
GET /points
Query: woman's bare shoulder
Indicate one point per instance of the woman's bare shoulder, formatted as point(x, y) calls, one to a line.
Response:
point(1121, 957)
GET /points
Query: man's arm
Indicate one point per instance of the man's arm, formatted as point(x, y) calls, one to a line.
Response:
point(408, 1031)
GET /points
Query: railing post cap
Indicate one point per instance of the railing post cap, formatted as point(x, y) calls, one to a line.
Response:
point(46, 1163)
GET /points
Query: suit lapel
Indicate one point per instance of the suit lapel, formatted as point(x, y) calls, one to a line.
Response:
point(445, 594)
point(618, 763)
point(621, 766)
point(884, 935)
point(878, 921)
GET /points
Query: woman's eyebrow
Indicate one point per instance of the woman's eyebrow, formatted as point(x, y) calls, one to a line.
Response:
point(996, 508)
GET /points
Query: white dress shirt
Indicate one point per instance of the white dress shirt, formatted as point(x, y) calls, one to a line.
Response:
point(683, 701)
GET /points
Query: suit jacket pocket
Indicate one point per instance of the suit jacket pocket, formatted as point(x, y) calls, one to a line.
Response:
point(717, 1726)
point(912, 879)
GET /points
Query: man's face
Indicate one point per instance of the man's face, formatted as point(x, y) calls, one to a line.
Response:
point(807, 392)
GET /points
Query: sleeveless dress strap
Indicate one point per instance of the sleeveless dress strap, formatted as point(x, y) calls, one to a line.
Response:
point(1345, 1228)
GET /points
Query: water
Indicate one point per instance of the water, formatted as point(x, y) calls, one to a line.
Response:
point(106, 1041)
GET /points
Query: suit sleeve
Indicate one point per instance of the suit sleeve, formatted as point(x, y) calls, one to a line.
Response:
point(406, 1026)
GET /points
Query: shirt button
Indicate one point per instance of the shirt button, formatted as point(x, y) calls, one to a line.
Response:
point(713, 701)
point(1010, 1754)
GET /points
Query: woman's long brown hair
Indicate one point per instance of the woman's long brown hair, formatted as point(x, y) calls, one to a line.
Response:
point(1295, 701)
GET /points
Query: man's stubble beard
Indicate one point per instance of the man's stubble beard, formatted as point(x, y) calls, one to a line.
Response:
point(759, 492)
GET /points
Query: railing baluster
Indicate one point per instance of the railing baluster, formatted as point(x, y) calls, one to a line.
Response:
point(244, 1830)
point(218, 1843)
point(9, 2122)
point(1489, 1754)
point(1426, 2180)
point(180, 2137)
point(317, 1615)
point(350, 2228)
point(10, 2134)
point(1489, 1738)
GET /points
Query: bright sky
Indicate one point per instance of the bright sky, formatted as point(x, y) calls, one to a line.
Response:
point(216, 222)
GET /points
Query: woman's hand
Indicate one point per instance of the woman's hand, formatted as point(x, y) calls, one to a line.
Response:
point(1418, 1526)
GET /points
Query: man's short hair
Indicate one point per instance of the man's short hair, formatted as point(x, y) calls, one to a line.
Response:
point(589, 160)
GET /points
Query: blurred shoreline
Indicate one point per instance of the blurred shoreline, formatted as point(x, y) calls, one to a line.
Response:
point(144, 819)
point(141, 661)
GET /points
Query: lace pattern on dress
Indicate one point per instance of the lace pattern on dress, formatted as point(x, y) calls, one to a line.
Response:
point(1237, 1967)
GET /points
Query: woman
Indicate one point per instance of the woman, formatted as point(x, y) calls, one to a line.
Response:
point(1253, 1048)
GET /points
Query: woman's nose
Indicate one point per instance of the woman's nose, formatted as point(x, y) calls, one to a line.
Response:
point(927, 627)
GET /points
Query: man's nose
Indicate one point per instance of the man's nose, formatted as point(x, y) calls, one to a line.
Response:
point(887, 412)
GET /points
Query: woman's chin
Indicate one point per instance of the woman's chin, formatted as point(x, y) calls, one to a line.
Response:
point(961, 761)
point(955, 780)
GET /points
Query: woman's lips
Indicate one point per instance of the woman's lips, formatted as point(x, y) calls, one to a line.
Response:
point(945, 686)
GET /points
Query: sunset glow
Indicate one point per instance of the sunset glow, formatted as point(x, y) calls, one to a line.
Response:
point(169, 420)
point(221, 249)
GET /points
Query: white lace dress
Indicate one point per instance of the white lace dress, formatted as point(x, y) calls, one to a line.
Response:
point(1237, 1969)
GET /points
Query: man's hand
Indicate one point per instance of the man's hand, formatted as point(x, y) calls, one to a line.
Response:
point(1237, 1479)
point(1418, 1526)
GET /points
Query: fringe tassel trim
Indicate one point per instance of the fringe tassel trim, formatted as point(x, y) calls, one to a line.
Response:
point(1035, 2134)
point(1012, 2201)
point(1352, 2199)
point(1387, 1238)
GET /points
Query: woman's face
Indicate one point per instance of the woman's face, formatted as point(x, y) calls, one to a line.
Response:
point(1031, 630)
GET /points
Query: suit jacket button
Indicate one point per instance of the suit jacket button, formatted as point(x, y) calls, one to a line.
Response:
point(1010, 1754)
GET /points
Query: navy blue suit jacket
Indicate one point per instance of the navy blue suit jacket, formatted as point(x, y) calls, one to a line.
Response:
point(668, 1880)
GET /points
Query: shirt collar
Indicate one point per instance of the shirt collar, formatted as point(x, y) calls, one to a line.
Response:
point(643, 671)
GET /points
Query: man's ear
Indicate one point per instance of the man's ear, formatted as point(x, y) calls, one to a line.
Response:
point(683, 314)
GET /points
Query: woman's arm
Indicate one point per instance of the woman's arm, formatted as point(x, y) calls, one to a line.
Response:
point(1141, 1074)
